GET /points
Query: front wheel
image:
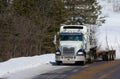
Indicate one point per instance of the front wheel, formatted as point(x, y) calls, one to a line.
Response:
point(80, 63)
point(83, 63)
point(58, 62)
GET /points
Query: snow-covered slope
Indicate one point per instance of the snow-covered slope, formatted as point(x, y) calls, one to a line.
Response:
point(22, 63)
point(26, 67)
point(111, 29)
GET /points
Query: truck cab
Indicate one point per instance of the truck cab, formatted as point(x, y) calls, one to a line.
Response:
point(73, 44)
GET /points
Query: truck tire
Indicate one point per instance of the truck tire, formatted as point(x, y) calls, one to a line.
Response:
point(109, 57)
point(80, 63)
point(113, 57)
point(105, 57)
point(83, 63)
point(58, 62)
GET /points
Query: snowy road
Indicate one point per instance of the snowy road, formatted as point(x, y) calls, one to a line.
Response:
point(65, 73)
point(107, 70)
point(49, 69)
point(30, 73)
point(97, 70)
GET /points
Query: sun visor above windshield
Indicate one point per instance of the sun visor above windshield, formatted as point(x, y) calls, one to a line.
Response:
point(73, 27)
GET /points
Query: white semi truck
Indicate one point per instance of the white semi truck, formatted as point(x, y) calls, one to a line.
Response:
point(74, 45)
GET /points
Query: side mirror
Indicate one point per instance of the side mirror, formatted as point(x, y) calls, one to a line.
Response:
point(55, 40)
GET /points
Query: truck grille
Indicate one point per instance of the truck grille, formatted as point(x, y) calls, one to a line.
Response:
point(68, 51)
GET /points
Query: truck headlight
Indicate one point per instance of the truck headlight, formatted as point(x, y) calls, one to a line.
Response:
point(79, 53)
point(57, 53)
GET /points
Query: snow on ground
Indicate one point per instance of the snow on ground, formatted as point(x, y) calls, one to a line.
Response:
point(27, 67)
point(111, 29)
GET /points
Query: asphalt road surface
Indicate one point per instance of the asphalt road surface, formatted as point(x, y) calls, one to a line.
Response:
point(96, 70)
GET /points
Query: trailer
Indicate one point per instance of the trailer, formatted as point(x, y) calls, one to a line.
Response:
point(105, 55)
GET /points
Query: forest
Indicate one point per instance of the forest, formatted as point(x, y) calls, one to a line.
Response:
point(27, 27)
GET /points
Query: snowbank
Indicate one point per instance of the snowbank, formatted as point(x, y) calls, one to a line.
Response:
point(22, 63)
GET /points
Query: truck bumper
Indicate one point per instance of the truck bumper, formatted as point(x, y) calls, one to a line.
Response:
point(70, 60)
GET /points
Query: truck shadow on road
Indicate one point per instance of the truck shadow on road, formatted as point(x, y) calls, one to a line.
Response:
point(55, 64)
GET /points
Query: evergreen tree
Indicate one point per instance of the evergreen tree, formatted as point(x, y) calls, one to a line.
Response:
point(83, 11)
point(46, 16)
point(27, 27)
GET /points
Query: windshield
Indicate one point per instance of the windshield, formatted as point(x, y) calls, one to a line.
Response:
point(71, 37)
